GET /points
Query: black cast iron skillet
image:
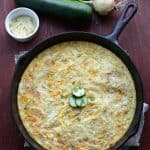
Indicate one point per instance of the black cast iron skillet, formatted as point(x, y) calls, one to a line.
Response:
point(110, 42)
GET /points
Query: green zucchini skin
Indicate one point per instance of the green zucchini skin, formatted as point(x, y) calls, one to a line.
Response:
point(70, 10)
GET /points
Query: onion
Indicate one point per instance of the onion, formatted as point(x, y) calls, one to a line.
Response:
point(102, 7)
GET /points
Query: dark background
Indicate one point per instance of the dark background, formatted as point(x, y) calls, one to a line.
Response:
point(135, 38)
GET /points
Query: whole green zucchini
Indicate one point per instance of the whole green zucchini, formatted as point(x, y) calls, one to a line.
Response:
point(72, 10)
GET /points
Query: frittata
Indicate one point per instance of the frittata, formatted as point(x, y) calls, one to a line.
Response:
point(47, 84)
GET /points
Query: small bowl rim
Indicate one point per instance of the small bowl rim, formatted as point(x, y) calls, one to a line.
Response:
point(35, 17)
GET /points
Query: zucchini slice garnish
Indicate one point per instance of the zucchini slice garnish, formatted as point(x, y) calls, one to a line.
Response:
point(72, 101)
point(81, 102)
point(78, 92)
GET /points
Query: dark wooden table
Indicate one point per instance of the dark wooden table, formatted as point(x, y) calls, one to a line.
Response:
point(135, 38)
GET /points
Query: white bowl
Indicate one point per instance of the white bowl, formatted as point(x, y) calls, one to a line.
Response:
point(18, 12)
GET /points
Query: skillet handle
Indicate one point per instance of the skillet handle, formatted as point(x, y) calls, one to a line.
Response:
point(127, 14)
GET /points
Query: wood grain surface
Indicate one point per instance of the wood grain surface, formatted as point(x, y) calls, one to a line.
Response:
point(135, 38)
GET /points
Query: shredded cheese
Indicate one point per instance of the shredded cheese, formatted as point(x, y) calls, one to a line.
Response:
point(22, 26)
